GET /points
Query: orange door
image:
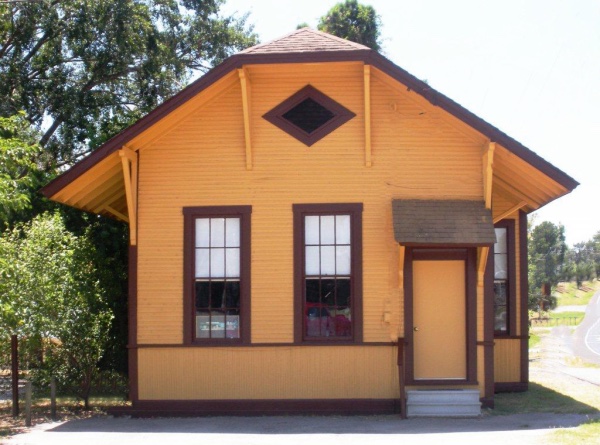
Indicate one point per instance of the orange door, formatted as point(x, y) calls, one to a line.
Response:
point(439, 320)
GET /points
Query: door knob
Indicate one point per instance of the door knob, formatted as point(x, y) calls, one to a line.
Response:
point(415, 329)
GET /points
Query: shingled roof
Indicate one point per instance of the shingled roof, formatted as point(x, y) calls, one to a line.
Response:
point(442, 222)
point(305, 40)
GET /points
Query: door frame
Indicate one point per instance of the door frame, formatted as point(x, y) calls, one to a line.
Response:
point(469, 256)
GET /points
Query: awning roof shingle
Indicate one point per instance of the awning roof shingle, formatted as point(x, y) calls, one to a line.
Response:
point(442, 222)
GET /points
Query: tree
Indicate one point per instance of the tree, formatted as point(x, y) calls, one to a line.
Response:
point(352, 21)
point(50, 290)
point(594, 247)
point(18, 151)
point(82, 70)
point(579, 262)
point(547, 248)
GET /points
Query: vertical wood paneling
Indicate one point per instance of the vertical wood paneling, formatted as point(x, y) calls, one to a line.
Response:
point(201, 161)
point(507, 360)
point(268, 373)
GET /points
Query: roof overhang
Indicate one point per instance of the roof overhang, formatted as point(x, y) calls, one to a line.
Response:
point(94, 164)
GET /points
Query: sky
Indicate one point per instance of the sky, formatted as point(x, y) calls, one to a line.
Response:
point(529, 67)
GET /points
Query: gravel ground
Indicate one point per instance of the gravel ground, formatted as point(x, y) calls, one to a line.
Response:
point(296, 430)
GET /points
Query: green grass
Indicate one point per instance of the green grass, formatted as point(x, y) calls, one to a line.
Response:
point(588, 433)
point(533, 340)
point(539, 399)
point(573, 296)
point(569, 314)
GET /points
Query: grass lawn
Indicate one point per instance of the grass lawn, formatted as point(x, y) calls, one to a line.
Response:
point(573, 296)
point(588, 433)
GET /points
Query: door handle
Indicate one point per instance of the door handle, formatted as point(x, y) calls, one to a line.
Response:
point(415, 329)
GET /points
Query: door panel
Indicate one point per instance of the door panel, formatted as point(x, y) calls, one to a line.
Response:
point(439, 320)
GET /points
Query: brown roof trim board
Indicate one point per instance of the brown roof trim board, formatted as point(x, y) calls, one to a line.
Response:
point(442, 222)
point(357, 54)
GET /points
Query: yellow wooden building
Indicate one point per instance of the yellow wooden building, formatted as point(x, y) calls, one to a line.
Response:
point(313, 229)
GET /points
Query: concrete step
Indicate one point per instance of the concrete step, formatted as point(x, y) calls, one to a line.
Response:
point(443, 403)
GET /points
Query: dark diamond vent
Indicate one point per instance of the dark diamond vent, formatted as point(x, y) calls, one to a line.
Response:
point(309, 115)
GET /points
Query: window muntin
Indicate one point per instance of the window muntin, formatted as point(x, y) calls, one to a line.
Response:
point(328, 272)
point(217, 274)
point(217, 277)
point(502, 281)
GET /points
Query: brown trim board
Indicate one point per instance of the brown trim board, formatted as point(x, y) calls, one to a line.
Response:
point(369, 57)
point(524, 297)
point(132, 324)
point(488, 330)
point(193, 408)
point(469, 255)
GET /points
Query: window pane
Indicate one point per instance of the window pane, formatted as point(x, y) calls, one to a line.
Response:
point(500, 246)
point(232, 324)
point(500, 323)
point(202, 232)
point(217, 325)
point(501, 267)
point(313, 292)
point(327, 260)
point(342, 229)
point(342, 260)
point(217, 290)
point(202, 294)
point(342, 291)
point(311, 230)
point(312, 260)
point(232, 232)
point(232, 294)
point(202, 324)
point(232, 263)
point(217, 263)
point(327, 230)
point(328, 292)
point(202, 262)
point(217, 232)
point(339, 324)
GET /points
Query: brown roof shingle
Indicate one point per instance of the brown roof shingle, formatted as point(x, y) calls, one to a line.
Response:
point(442, 222)
point(305, 40)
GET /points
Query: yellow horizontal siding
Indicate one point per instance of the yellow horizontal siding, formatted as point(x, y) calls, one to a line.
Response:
point(507, 361)
point(268, 373)
point(201, 161)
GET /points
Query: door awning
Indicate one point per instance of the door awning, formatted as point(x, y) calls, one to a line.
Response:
point(442, 223)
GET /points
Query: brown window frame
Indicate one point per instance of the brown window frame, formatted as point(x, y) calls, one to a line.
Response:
point(341, 115)
point(511, 287)
point(190, 214)
point(355, 211)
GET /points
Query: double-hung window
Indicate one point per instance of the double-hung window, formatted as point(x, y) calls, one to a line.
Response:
point(328, 272)
point(217, 274)
point(504, 279)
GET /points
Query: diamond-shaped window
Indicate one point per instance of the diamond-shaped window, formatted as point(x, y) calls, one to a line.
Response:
point(309, 115)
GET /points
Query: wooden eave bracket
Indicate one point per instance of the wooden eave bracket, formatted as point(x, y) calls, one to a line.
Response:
point(488, 173)
point(129, 161)
point(367, 98)
point(246, 97)
point(401, 259)
point(482, 258)
point(510, 211)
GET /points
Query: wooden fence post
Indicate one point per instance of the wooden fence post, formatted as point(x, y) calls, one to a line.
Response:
point(53, 398)
point(14, 357)
point(28, 403)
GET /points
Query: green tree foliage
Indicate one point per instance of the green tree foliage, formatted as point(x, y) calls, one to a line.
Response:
point(18, 152)
point(84, 69)
point(594, 246)
point(579, 263)
point(352, 21)
point(50, 290)
point(547, 249)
